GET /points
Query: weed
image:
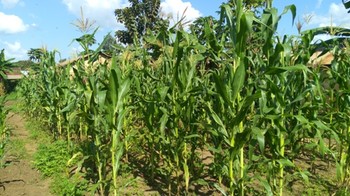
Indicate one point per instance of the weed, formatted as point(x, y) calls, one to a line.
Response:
point(16, 148)
point(51, 158)
point(64, 185)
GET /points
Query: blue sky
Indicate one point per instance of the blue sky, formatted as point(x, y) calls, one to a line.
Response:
point(26, 24)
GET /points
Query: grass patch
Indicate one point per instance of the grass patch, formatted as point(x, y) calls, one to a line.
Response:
point(16, 148)
point(51, 159)
point(65, 185)
point(13, 96)
point(12, 103)
point(36, 133)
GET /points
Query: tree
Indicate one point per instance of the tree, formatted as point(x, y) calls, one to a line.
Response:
point(110, 45)
point(253, 4)
point(35, 54)
point(142, 15)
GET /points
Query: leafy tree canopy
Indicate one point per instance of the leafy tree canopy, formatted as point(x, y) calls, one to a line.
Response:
point(35, 54)
point(140, 16)
point(253, 4)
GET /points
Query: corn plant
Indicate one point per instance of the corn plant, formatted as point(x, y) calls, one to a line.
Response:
point(229, 106)
point(117, 93)
point(338, 102)
point(240, 92)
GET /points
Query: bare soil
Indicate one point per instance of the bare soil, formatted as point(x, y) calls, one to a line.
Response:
point(19, 177)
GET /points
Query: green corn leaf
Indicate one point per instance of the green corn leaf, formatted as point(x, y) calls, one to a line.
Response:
point(69, 107)
point(260, 137)
point(217, 119)
point(214, 150)
point(242, 138)
point(192, 136)
point(122, 92)
point(162, 91)
point(300, 97)
point(227, 14)
point(286, 163)
point(88, 97)
point(266, 185)
point(163, 122)
point(320, 125)
point(210, 36)
point(219, 188)
point(279, 70)
point(339, 171)
point(120, 119)
point(305, 175)
point(244, 30)
point(189, 77)
point(113, 89)
point(238, 81)
point(177, 44)
point(323, 148)
point(101, 97)
point(293, 10)
point(301, 119)
point(72, 116)
point(248, 101)
point(201, 182)
point(137, 84)
point(221, 88)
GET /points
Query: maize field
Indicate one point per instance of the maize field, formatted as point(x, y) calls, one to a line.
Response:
point(232, 109)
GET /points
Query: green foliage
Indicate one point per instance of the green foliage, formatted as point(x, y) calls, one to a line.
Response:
point(4, 132)
point(111, 45)
point(75, 185)
point(36, 54)
point(16, 148)
point(253, 4)
point(198, 109)
point(138, 18)
point(5, 66)
point(51, 159)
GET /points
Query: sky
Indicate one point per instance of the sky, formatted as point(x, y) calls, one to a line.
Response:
point(26, 24)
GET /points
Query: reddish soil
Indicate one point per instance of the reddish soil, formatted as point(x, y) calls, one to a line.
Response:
point(19, 177)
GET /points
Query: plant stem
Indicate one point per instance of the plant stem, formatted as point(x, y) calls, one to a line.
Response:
point(281, 166)
point(241, 162)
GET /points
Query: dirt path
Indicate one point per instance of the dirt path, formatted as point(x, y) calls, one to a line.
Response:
point(19, 178)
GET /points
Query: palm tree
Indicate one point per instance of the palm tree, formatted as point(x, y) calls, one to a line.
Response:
point(35, 54)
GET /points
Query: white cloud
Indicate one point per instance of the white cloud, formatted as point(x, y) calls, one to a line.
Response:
point(9, 3)
point(13, 47)
point(11, 24)
point(14, 50)
point(75, 51)
point(319, 3)
point(337, 16)
point(176, 8)
point(102, 11)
